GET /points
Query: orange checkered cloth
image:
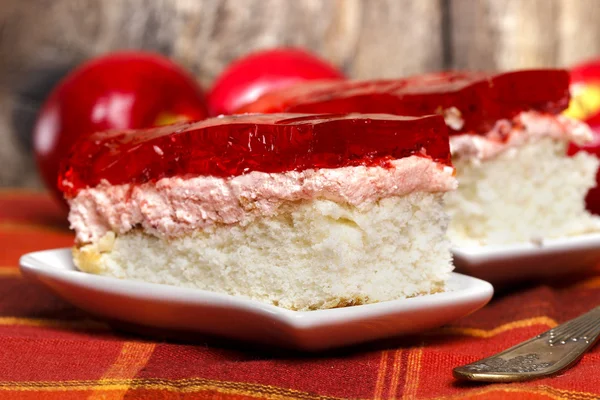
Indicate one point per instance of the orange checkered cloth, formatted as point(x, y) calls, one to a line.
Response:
point(51, 350)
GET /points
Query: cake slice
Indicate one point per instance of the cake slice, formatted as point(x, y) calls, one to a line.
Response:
point(508, 140)
point(301, 211)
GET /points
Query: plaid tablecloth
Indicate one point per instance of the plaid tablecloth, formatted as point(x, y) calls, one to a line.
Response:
point(50, 350)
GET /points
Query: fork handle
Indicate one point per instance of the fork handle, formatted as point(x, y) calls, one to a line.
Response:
point(544, 355)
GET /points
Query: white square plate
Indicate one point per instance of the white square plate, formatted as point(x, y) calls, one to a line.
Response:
point(203, 312)
point(503, 264)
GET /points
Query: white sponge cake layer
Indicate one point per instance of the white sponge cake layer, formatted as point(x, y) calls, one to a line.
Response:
point(525, 193)
point(317, 254)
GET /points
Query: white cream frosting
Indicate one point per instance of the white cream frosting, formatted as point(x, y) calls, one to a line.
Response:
point(174, 206)
point(509, 134)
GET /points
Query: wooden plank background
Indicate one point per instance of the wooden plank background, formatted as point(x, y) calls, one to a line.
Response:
point(42, 39)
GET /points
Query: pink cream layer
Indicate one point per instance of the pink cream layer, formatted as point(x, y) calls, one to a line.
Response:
point(172, 207)
point(525, 127)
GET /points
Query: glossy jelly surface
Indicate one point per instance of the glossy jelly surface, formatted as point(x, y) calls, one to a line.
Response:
point(235, 145)
point(480, 98)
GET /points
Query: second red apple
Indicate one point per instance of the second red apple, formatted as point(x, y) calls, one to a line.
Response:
point(246, 79)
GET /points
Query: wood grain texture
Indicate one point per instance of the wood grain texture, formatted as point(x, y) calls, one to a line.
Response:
point(16, 161)
point(579, 31)
point(399, 38)
point(503, 34)
point(41, 40)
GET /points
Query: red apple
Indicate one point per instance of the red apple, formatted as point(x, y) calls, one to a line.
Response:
point(585, 106)
point(257, 73)
point(116, 91)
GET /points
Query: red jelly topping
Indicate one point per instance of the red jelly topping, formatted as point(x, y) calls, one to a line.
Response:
point(235, 145)
point(481, 98)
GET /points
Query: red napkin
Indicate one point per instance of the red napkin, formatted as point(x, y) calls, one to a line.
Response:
point(50, 350)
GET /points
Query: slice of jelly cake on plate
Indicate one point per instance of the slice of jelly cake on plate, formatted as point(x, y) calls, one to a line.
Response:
point(509, 142)
point(301, 211)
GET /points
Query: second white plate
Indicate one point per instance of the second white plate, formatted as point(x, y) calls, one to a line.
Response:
point(163, 307)
point(502, 264)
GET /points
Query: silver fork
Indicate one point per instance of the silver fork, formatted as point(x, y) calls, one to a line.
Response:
point(544, 355)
